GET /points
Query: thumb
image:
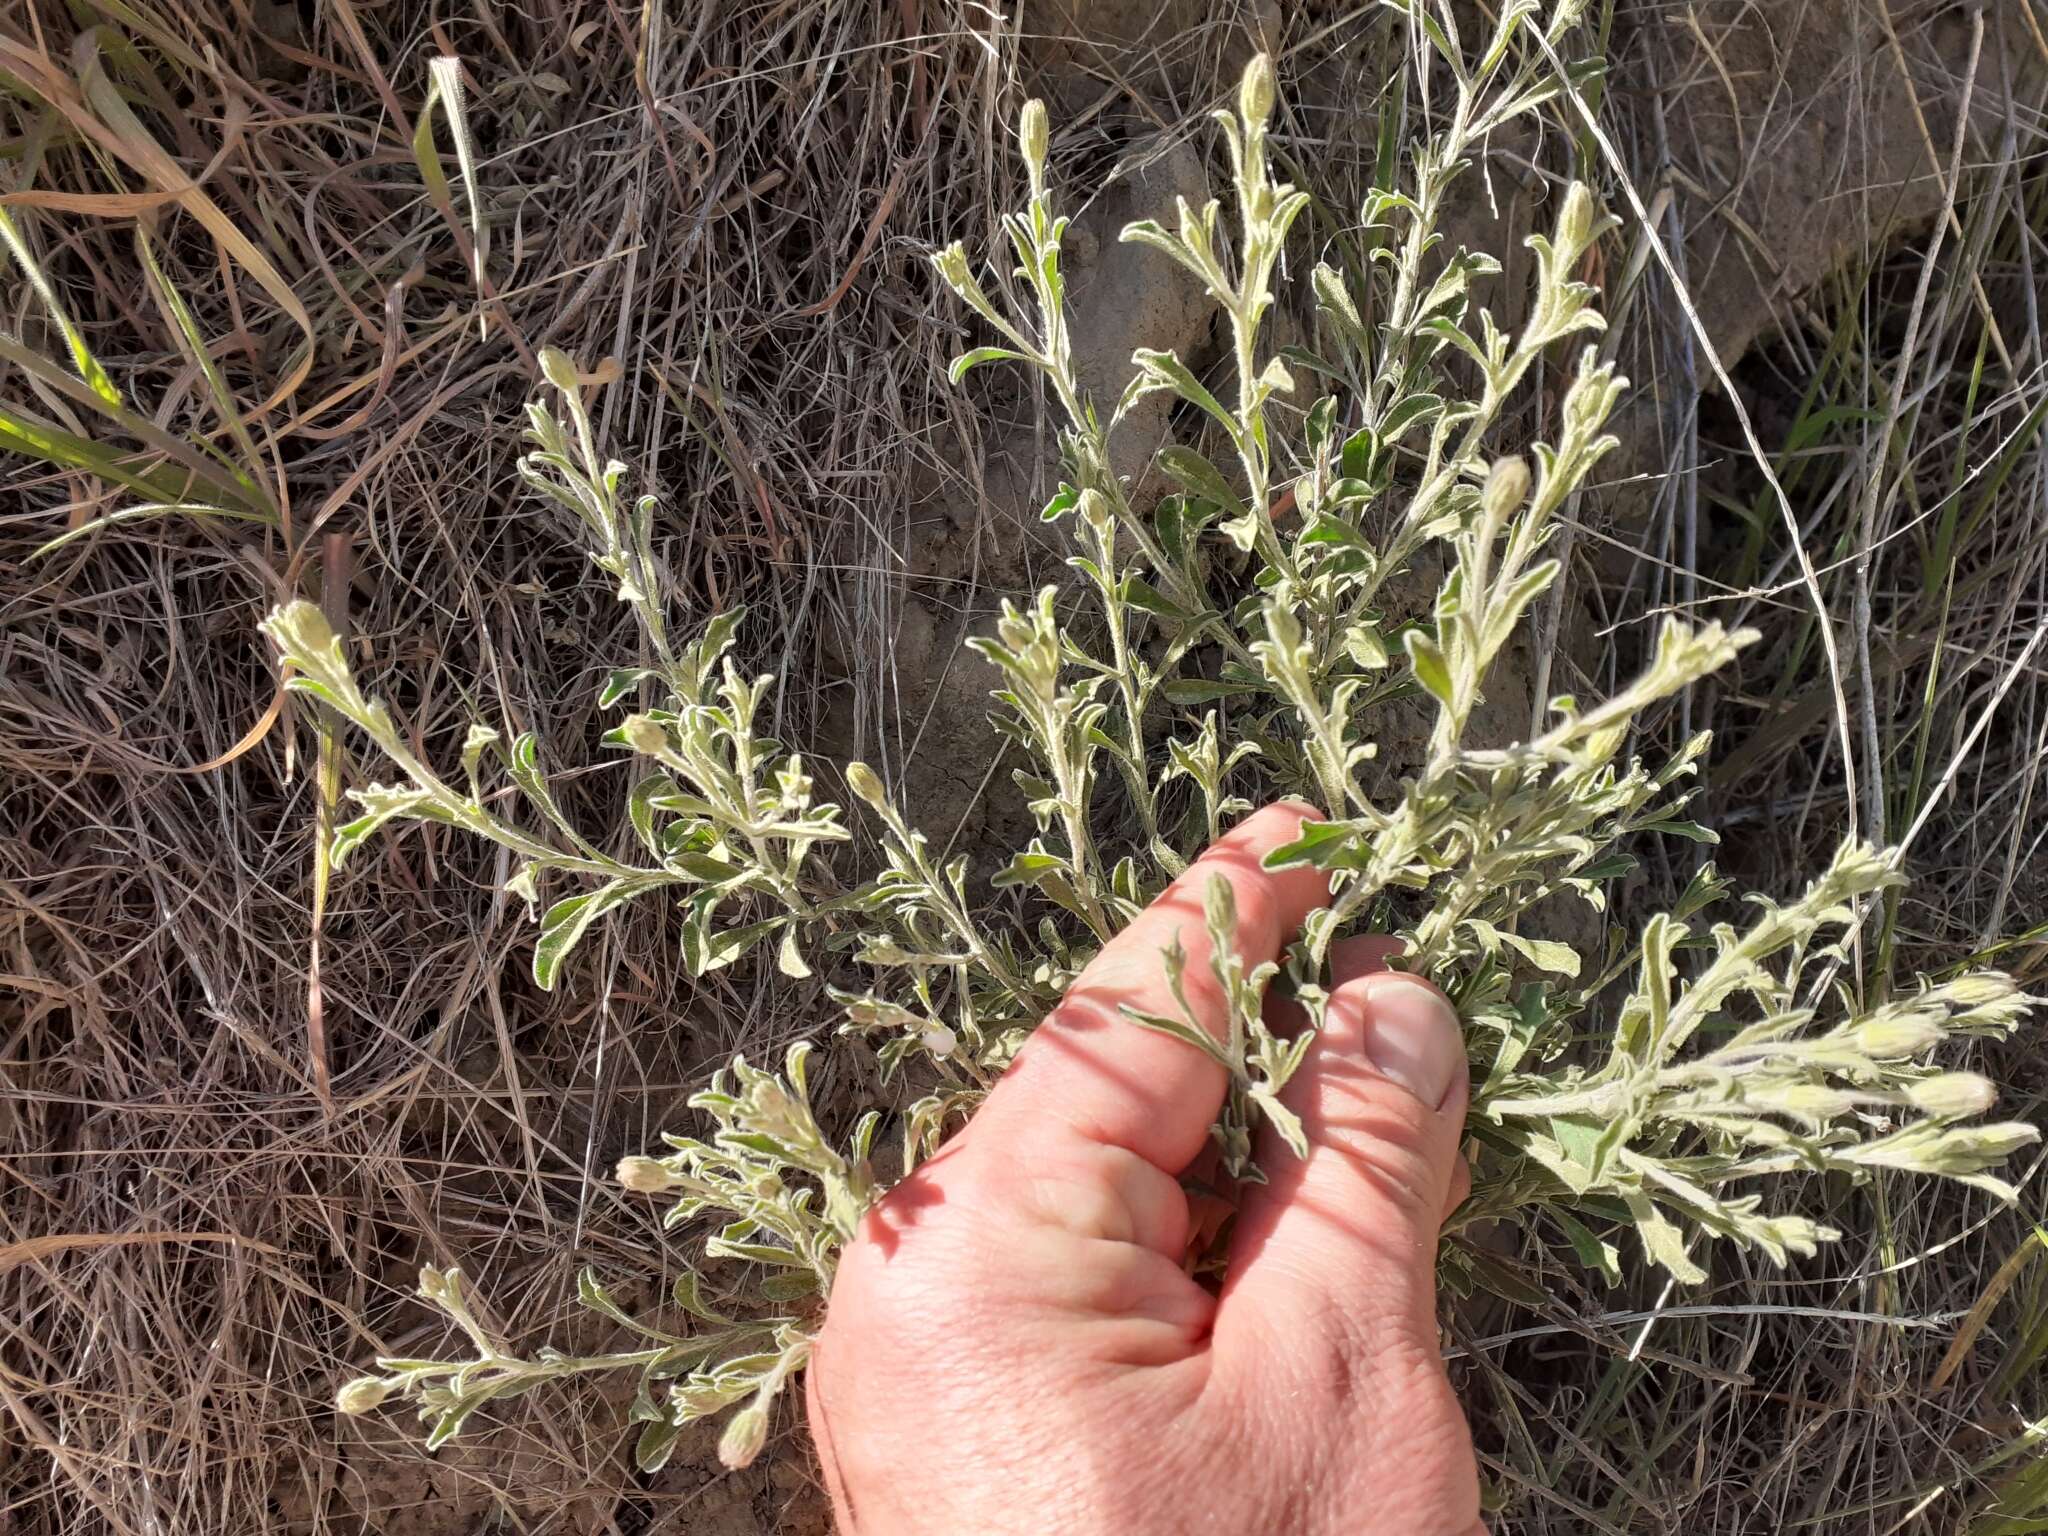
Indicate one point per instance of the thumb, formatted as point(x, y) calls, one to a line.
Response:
point(1341, 1245)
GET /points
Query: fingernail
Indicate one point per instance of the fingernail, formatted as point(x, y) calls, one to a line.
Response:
point(1412, 1036)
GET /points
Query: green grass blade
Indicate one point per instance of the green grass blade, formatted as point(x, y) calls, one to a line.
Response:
point(88, 366)
point(145, 510)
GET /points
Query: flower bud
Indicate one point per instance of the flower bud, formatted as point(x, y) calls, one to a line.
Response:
point(1219, 903)
point(939, 1040)
point(1507, 487)
point(883, 950)
point(646, 1175)
point(1985, 1004)
point(1033, 136)
point(1991, 1145)
point(744, 1436)
point(1953, 1095)
point(1977, 988)
point(796, 786)
point(861, 779)
point(951, 263)
point(1812, 1102)
point(1897, 1037)
point(558, 369)
point(644, 736)
point(1255, 94)
point(1094, 509)
point(362, 1395)
point(1959, 1151)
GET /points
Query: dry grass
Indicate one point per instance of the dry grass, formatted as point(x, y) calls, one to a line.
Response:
point(728, 211)
point(690, 204)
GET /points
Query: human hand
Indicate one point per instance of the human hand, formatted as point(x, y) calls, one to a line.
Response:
point(1012, 1344)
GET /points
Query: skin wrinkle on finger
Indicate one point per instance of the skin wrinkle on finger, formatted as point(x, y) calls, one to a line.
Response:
point(1072, 1280)
point(1370, 1207)
point(1401, 1200)
point(1053, 1112)
point(1071, 1055)
point(1382, 1146)
point(1081, 1201)
point(1132, 1303)
point(1095, 1189)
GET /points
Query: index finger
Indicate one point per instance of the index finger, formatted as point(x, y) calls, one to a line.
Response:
point(1119, 1083)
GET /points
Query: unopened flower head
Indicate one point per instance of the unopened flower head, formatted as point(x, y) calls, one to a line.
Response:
point(644, 736)
point(1811, 1102)
point(952, 265)
point(745, 1434)
point(1507, 487)
point(1033, 137)
point(1255, 95)
point(1896, 1036)
point(647, 1175)
point(862, 780)
point(1953, 1095)
point(362, 1395)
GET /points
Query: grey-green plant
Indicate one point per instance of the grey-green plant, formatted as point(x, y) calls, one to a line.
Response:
point(1212, 651)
